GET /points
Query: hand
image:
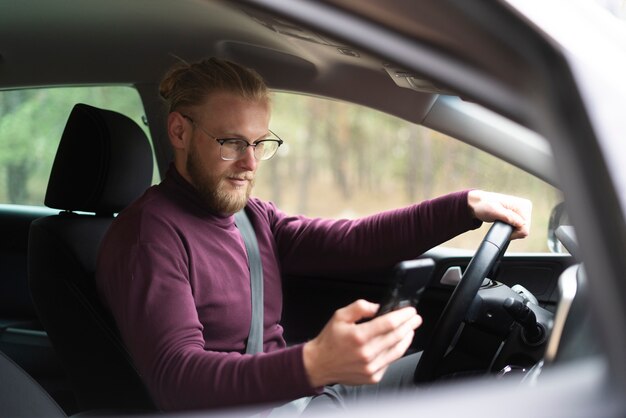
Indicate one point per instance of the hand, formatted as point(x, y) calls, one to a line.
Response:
point(350, 353)
point(489, 207)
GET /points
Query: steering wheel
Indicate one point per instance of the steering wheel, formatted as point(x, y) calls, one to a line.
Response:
point(490, 251)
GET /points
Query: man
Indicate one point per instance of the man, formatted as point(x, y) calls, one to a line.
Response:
point(173, 267)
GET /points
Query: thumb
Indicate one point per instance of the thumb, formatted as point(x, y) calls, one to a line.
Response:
point(356, 311)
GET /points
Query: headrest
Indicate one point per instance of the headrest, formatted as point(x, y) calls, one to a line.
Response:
point(103, 162)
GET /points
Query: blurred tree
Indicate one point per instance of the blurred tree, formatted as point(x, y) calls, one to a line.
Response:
point(20, 142)
point(31, 125)
point(344, 160)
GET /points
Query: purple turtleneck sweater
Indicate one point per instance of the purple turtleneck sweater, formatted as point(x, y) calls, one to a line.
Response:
point(176, 279)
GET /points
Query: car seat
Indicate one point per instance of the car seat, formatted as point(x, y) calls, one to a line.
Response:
point(21, 395)
point(102, 164)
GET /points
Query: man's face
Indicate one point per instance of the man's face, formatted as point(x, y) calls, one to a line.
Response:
point(225, 186)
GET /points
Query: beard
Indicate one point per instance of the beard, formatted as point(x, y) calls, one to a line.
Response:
point(215, 191)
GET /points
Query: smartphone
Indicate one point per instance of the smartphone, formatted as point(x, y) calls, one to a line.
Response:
point(410, 280)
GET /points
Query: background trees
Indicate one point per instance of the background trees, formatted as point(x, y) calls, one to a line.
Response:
point(31, 125)
point(342, 160)
point(339, 160)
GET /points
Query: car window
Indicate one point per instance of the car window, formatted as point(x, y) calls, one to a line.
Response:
point(31, 125)
point(344, 161)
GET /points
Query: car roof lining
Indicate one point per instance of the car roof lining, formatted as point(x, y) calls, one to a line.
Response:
point(81, 52)
point(288, 55)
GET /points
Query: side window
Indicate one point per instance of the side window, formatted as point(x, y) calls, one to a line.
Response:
point(344, 161)
point(31, 125)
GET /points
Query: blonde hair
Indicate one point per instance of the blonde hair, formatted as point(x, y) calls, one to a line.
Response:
point(189, 84)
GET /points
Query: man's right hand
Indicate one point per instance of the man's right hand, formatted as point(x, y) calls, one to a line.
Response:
point(354, 353)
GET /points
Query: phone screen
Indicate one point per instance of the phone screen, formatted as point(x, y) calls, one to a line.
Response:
point(410, 279)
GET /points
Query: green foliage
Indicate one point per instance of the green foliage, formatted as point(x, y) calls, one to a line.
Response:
point(31, 125)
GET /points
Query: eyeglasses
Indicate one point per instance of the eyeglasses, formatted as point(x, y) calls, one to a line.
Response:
point(235, 148)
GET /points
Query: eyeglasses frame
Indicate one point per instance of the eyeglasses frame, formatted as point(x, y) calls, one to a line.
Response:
point(222, 141)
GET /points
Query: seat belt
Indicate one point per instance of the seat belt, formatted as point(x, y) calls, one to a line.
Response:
point(255, 337)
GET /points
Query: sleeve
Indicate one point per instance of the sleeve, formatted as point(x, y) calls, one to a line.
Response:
point(309, 246)
point(152, 301)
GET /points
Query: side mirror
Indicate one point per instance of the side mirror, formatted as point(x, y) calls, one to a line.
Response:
point(558, 217)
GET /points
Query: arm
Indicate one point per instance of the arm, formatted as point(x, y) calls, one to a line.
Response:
point(148, 290)
point(352, 353)
point(378, 241)
point(319, 245)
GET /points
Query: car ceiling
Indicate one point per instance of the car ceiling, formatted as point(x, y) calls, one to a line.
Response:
point(134, 42)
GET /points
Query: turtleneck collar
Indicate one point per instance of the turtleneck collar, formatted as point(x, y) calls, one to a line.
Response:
point(177, 186)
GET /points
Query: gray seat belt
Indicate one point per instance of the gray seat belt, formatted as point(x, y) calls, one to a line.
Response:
point(255, 337)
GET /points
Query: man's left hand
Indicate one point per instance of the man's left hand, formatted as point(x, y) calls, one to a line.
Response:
point(490, 207)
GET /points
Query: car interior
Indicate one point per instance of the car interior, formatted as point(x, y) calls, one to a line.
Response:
point(485, 313)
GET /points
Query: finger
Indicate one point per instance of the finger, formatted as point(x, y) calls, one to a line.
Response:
point(385, 341)
point(521, 223)
point(513, 215)
point(520, 207)
point(398, 350)
point(382, 343)
point(514, 219)
point(386, 357)
point(521, 232)
point(389, 321)
point(380, 373)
